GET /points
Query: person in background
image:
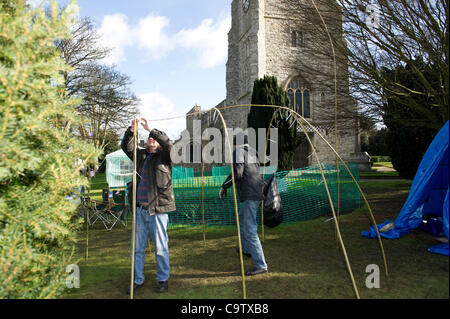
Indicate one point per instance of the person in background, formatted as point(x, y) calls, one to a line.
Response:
point(249, 185)
point(92, 172)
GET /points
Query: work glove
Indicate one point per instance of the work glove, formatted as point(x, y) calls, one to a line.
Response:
point(222, 193)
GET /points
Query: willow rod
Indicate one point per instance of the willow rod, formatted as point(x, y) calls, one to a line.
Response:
point(203, 201)
point(348, 170)
point(203, 209)
point(361, 192)
point(244, 293)
point(264, 172)
point(335, 103)
point(87, 216)
point(87, 233)
point(133, 236)
point(340, 159)
point(338, 233)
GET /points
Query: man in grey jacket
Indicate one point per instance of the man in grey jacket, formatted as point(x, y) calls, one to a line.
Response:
point(155, 199)
point(249, 185)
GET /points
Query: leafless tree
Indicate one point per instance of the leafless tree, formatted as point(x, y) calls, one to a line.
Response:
point(376, 35)
point(107, 102)
point(81, 49)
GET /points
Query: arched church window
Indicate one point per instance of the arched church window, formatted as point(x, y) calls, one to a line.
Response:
point(306, 107)
point(291, 98)
point(298, 101)
point(299, 97)
point(298, 39)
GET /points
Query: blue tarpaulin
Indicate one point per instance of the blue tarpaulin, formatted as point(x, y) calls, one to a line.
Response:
point(428, 194)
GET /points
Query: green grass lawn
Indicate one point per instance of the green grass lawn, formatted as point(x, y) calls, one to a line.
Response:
point(303, 258)
point(385, 164)
point(380, 173)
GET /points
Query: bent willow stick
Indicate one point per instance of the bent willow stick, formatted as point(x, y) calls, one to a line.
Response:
point(315, 130)
point(203, 191)
point(338, 234)
point(244, 292)
point(133, 236)
point(335, 101)
point(299, 119)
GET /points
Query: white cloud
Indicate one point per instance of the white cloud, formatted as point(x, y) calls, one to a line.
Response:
point(155, 106)
point(208, 41)
point(150, 35)
point(115, 34)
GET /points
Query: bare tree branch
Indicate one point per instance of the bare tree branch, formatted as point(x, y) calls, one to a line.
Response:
point(106, 100)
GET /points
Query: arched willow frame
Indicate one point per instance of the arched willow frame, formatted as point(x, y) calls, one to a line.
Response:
point(302, 122)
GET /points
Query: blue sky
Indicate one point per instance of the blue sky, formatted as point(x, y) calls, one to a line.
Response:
point(174, 51)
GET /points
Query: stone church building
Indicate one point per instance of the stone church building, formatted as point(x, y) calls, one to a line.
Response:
point(277, 38)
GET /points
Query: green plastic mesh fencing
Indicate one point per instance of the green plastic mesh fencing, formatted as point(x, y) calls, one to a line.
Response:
point(179, 172)
point(303, 196)
point(221, 170)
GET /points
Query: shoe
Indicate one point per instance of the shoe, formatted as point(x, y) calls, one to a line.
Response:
point(255, 271)
point(163, 286)
point(135, 287)
point(245, 254)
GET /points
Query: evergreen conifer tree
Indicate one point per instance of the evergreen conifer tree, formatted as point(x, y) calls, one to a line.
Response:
point(266, 91)
point(40, 161)
point(407, 140)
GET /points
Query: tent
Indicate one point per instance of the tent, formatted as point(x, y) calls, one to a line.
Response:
point(428, 196)
point(119, 169)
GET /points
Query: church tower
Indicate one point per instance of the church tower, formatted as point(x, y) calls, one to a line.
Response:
point(246, 50)
point(281, 38)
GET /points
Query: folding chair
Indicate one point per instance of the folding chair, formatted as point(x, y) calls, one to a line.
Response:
point(118, 208)
point(100, 210)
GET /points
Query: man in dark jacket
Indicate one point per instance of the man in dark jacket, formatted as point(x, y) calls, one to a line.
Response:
point(155, 199)
point(249, 185)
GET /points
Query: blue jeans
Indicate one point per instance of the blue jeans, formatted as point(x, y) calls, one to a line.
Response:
point(249, 233)
point(154, 226)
